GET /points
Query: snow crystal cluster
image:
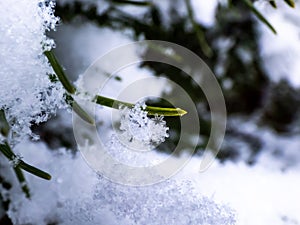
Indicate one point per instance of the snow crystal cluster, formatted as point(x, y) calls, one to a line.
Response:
point(140, 130)
point(26, 93)
point(137, 136)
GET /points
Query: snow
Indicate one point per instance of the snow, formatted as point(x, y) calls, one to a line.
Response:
point(283, 49)
point(136, 126)
point(204, 13)
point(55, 201)
point(78, 196)
point(258, 195)
point(26, 93)
point(135, 140)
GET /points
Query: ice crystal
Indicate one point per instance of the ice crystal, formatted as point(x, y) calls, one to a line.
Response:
point(26, 93)
point(15, 161)
point(140, 130)
point(138, 134)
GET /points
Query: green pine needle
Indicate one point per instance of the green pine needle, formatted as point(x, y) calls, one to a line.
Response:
point(259, 15)
point(101, 99)
point(112, 103)
point(8, 153)
point(291, 3)
point(273, 4)
point(60, 72)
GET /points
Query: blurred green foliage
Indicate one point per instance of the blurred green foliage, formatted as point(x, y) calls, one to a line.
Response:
point(235, 60)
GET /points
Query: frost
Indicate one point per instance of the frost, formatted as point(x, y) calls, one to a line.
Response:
point(26, 93)
point(140, 130)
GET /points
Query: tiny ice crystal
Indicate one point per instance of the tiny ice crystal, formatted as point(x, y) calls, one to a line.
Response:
point(136, 126)
point(15, 161)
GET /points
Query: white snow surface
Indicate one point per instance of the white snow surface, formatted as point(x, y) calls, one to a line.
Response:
point(224, 194)
point(76, 195)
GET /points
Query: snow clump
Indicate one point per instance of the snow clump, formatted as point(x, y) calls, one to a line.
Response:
point(26, 93)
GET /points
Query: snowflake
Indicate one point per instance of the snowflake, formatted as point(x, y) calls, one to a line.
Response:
point(141, 130)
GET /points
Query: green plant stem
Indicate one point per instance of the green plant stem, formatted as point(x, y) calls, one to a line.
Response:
point(112, 103)
point(20, 164)
point(291, 3)
point(200, 34)
point(273, 4)
point(8, 153)
point(22, 181)
point(4, 126)
point(101, 99)
point(79, 110)
point(259, 15)
point(60, 72)
point(33, 170)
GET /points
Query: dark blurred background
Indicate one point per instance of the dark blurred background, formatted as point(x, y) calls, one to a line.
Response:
point(230, 47)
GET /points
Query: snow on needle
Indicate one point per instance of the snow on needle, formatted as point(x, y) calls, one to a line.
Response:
point(15, 161)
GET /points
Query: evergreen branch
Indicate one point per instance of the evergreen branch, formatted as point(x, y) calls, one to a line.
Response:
point(4, 127)
point(116, 104)
point(78, 109)
point(112, 103)
point(70, 88)
point(10, 155)
point(33, 170)
point(22, 181)
point(60, 72)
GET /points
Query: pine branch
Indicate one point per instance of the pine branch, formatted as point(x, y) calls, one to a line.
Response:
point(112, 103)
